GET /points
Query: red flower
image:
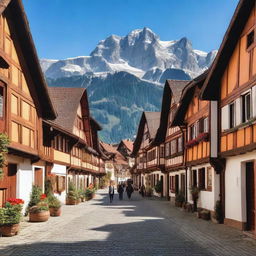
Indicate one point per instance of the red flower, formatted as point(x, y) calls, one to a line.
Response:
point(15, 201)
point(43, 196)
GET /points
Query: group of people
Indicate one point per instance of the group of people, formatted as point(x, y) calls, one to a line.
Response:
point(122, 187)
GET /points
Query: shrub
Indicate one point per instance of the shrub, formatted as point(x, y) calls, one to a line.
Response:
point(41, 206)
point(53, 202)
point(11, 212)
point(180, 197)
point(159, 186)
point(72, 192)
point(218, 211)
point(4, 142)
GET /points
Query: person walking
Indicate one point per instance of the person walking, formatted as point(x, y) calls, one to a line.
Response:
point(142, 190)
point(120, 191)
point(129, 190)
point(111, 192)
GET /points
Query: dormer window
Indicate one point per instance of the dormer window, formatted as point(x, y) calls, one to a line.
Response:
point(250, 39)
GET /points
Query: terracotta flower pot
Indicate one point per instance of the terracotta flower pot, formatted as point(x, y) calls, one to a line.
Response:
point(55, 212)
point(10, 230)
point(39, 216)
point(71, 201)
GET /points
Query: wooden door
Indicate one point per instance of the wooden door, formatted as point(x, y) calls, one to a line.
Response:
point(12, 171)
point(250, 196)
point(162, 182)
point(182, 187)
point(38, 180)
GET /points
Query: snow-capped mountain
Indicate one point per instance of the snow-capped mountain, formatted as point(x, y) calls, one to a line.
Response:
point(125, 75)
point(140, 53)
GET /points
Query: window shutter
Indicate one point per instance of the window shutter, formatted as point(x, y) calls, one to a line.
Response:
point(254, 101)
point(238, 111)
point(224, 118)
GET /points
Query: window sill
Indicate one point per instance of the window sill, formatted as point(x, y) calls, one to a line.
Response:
point(240, 126)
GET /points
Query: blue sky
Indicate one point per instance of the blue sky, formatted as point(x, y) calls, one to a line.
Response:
point(64, 28)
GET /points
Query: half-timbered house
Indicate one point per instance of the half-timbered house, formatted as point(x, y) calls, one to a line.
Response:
point(71, 141)
point(24, 102)
point(231, 84)
point(149, 158)
point(172, 138)
point(194, 115)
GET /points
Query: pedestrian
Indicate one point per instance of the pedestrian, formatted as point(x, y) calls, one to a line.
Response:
point(142, 190)
point(129, 190)
point(120, 191)
point(111, 192)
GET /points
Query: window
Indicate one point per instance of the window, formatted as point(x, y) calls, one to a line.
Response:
point(232, 115)
point(201, 173)
point(167, 149)
point(194, 130)
point(209, 178)
point(250, 39)
point(180, 144)
point(173, 147)
point(161, 151)
point(246, 107)
point(1, 102)
point(206, 126)
point(194, 178)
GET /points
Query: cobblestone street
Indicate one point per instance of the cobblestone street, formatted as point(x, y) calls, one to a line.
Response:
point(136, 227)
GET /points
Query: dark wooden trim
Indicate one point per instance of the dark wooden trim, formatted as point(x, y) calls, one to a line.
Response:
point(198, 162)
point(238, 151)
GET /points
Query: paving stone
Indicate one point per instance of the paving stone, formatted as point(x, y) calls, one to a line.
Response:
point(135, 227)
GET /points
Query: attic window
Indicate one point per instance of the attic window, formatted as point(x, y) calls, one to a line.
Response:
point(250, 39)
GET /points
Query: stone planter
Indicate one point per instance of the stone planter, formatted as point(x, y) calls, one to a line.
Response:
point(41, 216)
point(70, 201)
point(55, 212)
point(9, 230)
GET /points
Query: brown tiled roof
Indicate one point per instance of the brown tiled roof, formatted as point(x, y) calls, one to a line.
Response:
point(171, 95)
point(153, 120)
point(128, 144)
point(15, 11)
point(66, 102)
point(177, 87)
point(210, 89)
point(118, 157)
point(187, 95)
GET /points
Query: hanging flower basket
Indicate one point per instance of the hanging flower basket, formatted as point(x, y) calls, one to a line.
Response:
point(201, 137)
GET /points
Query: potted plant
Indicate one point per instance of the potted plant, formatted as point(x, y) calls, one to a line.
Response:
point(72, 195)
point(179, 199)
point(89, 192)
point(81, 195)
point(195, 195)
point(54, 206)
point(205, 214)
point(159, 187)
point(40, 211)
point(218, 214)
point(10, 216)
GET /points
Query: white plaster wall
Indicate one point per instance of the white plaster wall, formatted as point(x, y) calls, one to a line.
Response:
point(179, 172)
point(235, 186)
point(207, 199)
point(60, 170)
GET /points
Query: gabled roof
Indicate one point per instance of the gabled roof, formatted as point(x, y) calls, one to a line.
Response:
point(187, 96)
point(15, 11)
point(172, 93)
point(128, 144)
point(152, 120)
point(66, 102)
point(110, 150)
point(210, 90)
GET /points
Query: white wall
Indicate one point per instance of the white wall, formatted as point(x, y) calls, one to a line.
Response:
point(207, 199)
point(61, 171)
point(235, 186)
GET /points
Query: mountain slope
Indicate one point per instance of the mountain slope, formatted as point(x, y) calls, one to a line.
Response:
point(116, 101)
